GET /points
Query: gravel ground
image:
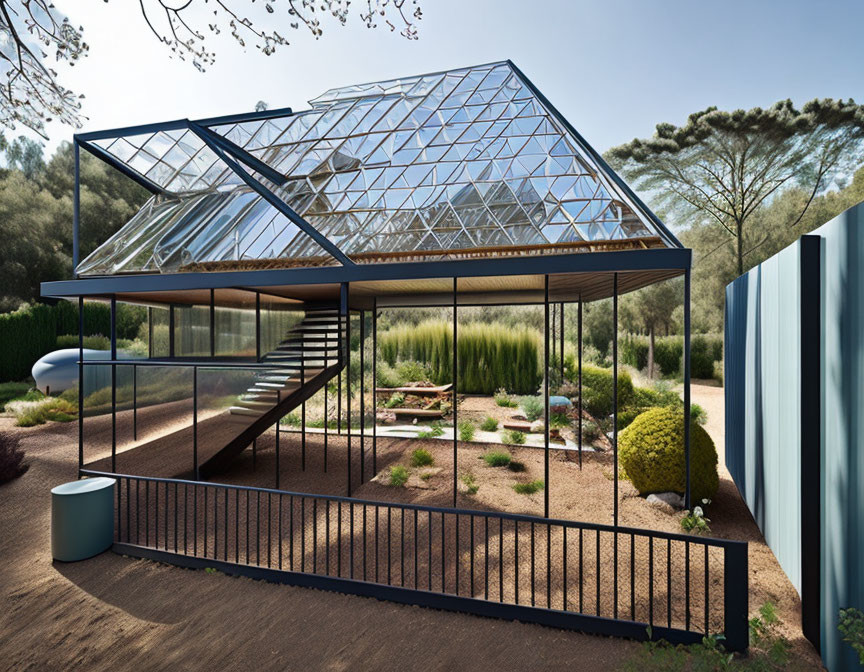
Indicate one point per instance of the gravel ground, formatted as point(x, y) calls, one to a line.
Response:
point(75, 615)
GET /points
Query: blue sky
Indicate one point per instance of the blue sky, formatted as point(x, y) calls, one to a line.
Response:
point(615, 68)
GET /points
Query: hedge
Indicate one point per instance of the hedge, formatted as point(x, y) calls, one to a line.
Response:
point(705, 349)
point(32, 331)
point(491, 356)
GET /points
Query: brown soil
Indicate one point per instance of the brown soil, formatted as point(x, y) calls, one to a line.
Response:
point(47, 594)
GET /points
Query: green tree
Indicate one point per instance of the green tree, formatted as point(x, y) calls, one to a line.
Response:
point(723, 167)
point(651, 308)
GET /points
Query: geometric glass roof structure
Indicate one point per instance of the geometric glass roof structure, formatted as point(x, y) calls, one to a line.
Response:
point(473, 161)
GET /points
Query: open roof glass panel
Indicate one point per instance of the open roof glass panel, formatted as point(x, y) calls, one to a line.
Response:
point(470, 161)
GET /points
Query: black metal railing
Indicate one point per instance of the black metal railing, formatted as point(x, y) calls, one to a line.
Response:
point(587, 576)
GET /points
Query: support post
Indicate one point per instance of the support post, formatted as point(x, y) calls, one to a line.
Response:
point(455, 396)
point(374, 384)
point(113, 384)
point(150, 332)
point(212, 323)
point(579, 348)
point(195, 422)
point(687, 489)
point(561, 358)
point(362, 398)
point(134, 402)
point(76, 211)
point(80, 381)
point(615, 386)
point(171, 349)
point(811, 441)
point(258, 327)
point(546, 398)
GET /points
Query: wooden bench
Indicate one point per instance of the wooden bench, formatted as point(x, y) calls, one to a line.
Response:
point(416, 412)
point(419, 391)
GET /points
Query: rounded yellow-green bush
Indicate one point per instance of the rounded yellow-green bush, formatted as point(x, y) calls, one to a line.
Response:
point(651, 453)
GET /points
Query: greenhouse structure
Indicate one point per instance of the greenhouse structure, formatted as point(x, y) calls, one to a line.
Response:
point(270, 243)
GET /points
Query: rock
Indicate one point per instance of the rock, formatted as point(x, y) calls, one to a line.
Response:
point(666, 501)
point(537, 427)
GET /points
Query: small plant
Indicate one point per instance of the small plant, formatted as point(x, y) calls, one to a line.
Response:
point(32, 413)
point(695, 521)
point(529, 488)
point(421, 458)
point(590, 431)
point(12, 463)
point(559, 420)
point(851, 626)
point(497, 459)
point(398, 476)
point(505, 400)
point(211, 570)
point(698, 414)
point(426, 476)
point(470, 483)
point(435, 430)
point(395, 401)
point(533, 407)
point(516, 465)
point(291, 419)
point(466, 430)
point(513, 436)
point(489, 424)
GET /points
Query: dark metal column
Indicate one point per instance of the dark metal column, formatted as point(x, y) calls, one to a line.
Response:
point(80, 380)
point(546, 397)
point(195, 422)
point(212, 323)
point(374, 384)
point(171, 348)
point(150, 332)
point(455, 397)
point(76, 211)
point(615, 385)
point(579, 348)
point(113, 385)
point(561, 358)
point(687, 494)
point(362, 398)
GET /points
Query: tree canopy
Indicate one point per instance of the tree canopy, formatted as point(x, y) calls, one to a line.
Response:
point(33, 32)
point(720, 168)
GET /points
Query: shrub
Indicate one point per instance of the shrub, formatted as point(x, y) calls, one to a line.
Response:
point(395, 401)
point(529, 488)
point(504, 400)
point(513, 436)
point(421, 458)
point(497, 459)
point(695, 521)
point(698, 414)
point(12, 463)
point(651, 451)
point(701, 358)
point(597, 390)
point(10, 391)
point(398, 476)
point(718, 371)
point(667, 354)
point(634, 351)
point(97, 342)
point(559, 420)
point(590, 431)
point(387, 376)
point(466, 430)
point(533, 407)
point(471, 483)
point(32, 413)
point(411, 372)
point(489, 424)
point(851, 626)
point(490, 355)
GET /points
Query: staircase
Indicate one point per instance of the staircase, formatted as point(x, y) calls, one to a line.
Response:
point(310, 347)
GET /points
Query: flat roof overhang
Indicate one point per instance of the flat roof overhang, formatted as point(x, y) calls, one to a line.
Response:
point(572, 277)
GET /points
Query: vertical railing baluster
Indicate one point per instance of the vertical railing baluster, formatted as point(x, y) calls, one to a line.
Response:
point(364, 516)
point(281, 507)
point(532, 563)
point(291, 533)
point(599, 565)
point(707, 587)
point(632, 577)
point(315, 535)
point(486, 557)
point(548, 566)
point(415, 549)
point(377, 552)
point(351, 535)
point(327, 534)
point(565, 606)
point(339, 539)
point(500, 559)
point(650, 580)
point(458, 562)
point(429, 568)
point(515, 562)
point(668, 583)
point(402, 547)
point(443, 550)
point(302, 534)
point(389, 547)
point(471, 540)
point(147, 513)
point(269, 527)
point(225, 554)
point(581, 576)
point(205, 521)
point(195, 521)
point(237, 526)
point(687, 585)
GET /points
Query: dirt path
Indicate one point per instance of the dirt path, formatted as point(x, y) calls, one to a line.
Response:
point(117, 613)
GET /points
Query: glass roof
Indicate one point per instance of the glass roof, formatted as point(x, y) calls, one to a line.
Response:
point(459, 160)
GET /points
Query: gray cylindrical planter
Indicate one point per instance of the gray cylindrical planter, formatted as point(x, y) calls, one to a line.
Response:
point(82, 518)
